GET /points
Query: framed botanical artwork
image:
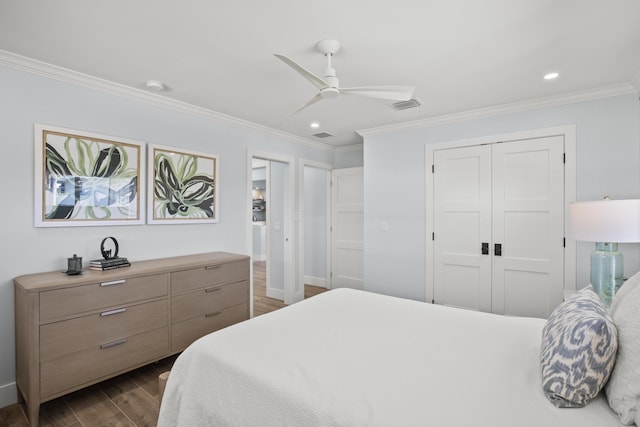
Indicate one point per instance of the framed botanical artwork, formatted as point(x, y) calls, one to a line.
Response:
point(182, 187)
point(87, 179)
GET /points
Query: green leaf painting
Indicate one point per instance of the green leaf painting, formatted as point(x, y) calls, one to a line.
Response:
point(184, 186)
point(87, 179)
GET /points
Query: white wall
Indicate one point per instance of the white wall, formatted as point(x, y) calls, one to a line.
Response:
point(608, 163)
point(29, 98)
point(348, 157)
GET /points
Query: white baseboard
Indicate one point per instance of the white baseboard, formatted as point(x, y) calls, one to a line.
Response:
point(8, 394)
point(275, 293)
point(315, 281)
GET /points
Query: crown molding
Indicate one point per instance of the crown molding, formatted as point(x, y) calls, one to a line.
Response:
point(66, 75)
point(349, 148)
point(480, 113)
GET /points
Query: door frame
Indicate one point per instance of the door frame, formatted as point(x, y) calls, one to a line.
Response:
point(302, 163)
point(289, 264)
point(569, 134)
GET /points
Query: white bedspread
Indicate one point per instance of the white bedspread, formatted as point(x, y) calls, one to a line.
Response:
point(353, 358)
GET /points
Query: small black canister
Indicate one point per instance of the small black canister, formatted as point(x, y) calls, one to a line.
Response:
point(74, 265)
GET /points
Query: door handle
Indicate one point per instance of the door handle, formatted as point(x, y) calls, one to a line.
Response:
point(497, 249)
point(485, 248)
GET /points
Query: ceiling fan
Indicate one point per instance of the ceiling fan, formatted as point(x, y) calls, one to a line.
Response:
point(328, 86)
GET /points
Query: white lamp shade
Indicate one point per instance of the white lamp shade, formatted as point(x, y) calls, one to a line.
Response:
point(615, 221)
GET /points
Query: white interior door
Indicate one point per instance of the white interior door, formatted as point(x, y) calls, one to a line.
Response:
point(528, 223)
point(277, 231)
point(462, 218)
point(347, 228)
point(499, 226)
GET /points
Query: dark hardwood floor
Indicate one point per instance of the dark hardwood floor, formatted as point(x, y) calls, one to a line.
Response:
point(131, 399)
point(261, 302)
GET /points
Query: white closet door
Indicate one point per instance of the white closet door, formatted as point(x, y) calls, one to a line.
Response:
point(528, 223)
point(462, 216)
point(347, 228)
point(510, 197)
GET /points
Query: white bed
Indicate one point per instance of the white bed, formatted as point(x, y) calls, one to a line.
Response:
point(353, 358)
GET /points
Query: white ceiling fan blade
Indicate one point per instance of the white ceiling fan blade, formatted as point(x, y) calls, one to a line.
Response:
point(312, 101)
point(315, 80)
point(392, 93)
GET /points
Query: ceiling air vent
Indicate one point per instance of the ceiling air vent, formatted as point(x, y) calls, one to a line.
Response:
point(403, 105)
point(322, 135)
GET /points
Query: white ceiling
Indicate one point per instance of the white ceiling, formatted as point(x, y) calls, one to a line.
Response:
point(461, 55)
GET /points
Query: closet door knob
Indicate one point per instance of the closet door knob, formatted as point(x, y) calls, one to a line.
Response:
point(485, 248)
point(497, 249)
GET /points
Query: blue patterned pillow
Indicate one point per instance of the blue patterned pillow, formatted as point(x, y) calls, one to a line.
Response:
point(579, 344)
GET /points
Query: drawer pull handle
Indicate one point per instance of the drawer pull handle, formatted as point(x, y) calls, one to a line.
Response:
point(116, 311)
point(212, 314)
point(113, 343)
point(113, 282)
point(212, 267)
point(212, 289)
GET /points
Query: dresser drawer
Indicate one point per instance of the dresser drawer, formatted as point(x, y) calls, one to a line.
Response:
point(214, 274)
point(86, 366)
point(66, 302)
point(208, 300)
point(184, 333)
point(80, 333)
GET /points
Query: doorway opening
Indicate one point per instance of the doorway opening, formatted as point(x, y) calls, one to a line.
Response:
point(270, 192)
point(314, 227)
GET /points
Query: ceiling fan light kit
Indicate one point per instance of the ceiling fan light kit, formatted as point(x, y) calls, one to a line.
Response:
point(328, 86)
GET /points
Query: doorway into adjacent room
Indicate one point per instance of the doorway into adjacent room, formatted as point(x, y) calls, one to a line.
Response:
point(314, 227)
point(270, 179)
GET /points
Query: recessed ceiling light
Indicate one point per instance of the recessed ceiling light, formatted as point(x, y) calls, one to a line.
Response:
point(155, 85)
point(551, 76)
point(315, 125)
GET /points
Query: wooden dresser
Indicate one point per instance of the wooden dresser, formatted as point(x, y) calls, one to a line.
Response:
point(74, 331)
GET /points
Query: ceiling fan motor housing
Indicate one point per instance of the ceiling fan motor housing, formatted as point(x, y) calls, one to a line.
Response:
point(329, 92)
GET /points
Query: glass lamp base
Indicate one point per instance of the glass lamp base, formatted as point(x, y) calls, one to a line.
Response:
point(606, 271)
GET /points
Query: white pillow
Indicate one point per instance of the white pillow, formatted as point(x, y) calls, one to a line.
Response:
point(623, 388)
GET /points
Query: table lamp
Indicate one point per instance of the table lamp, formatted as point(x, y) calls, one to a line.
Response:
point(606, 222)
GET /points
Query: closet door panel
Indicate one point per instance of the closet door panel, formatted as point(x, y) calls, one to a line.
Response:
point(528, 223)
point(462, 222)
